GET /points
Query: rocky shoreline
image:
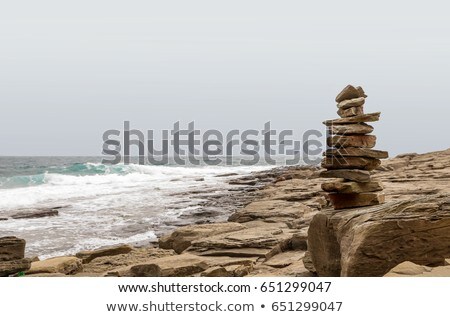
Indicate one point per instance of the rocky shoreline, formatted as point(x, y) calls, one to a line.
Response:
point(281, 223)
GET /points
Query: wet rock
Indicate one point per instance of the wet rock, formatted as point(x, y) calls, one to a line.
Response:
point(40, 213)
point(11, 267)
point(88, 256)
point(11, 248)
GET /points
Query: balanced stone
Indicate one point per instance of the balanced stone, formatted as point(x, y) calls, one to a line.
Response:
point(350, 112)
point(365, 141)
point(342, 201)
point(365, 163)
point(359, 152)
point(348, 92)
point(359, 128)
point(344, 187)
point(349, 174)
point(357, 102)
point(361, 91)
point(369, 117)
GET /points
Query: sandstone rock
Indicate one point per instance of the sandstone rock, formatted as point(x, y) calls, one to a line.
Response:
point(237, 252)
point(285, 259)
point(361, 92)
point(181, 239)
point(308, 263)
point(351, 103)
point(365, 163)
point(11, 248)
point(267, 209)
point(46, 275)
point(371, 241)
point(350, 112)
point(408, 269)
point(11, 267)
point(65, 265)
point(88, 256)
point(248, 238)
point(342, 201)
point(358, 152)
point(341, 141)
point(343, 187)
point(369, 117)
point(356, 128)
point(216, 271)
point(348, 92)
point(177, 265)
point(352, 175)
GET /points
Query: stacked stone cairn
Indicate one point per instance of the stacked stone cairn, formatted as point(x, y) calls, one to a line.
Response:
point(350, 156)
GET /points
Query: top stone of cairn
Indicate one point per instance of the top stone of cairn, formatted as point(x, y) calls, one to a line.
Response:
point(350, 92)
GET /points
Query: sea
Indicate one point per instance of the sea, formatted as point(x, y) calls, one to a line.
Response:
point(100, 205)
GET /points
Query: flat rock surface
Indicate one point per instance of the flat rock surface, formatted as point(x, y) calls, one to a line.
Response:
point(65, 265)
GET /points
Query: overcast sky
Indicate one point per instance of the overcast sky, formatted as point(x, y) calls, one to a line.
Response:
point(70, 70)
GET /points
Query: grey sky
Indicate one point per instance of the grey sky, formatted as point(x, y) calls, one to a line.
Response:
point(70, 71)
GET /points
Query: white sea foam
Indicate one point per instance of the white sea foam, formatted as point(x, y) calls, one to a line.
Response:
point(119, 205)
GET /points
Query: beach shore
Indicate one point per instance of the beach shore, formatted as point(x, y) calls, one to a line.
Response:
point(281, 223)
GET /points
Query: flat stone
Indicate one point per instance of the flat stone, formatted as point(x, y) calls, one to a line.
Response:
point(342, 201)
point(269, 209)
point(238, 253)
point(181, 239)
point(364, 163)
point(352, 187)
point(36, 214)
point(351, 175)
point(11, 248)
point(347, 104)
point(364, 141)
point(285, 259)
point(64, 265)
point(216, 271)
point(171, 266)
point(357, 152)
point(369, 117)
point(348, 92)
point(8, 268)
point(88, 256)
point(350, 112)
point(357, 128)
point(371, 241)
